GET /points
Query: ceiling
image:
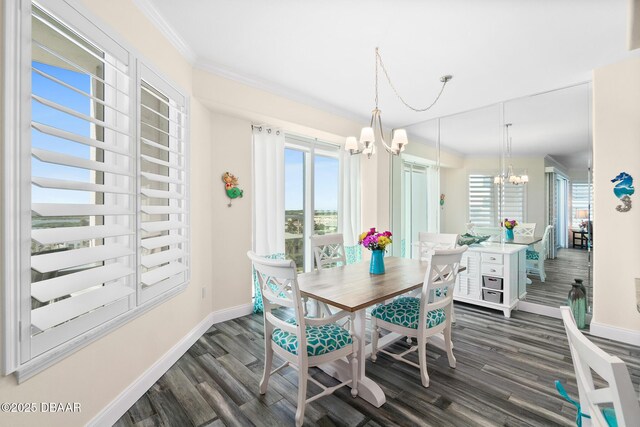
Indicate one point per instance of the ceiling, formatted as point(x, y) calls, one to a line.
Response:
point(322, 53)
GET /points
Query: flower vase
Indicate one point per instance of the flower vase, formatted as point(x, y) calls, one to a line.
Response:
point(578, 302)
point(509, 233)
point(377, 262)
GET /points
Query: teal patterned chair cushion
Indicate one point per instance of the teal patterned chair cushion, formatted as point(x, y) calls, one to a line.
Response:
point(533, 254)
point(405, 311)
point(320, 339)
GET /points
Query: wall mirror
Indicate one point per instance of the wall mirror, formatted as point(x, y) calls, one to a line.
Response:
point(549, 141)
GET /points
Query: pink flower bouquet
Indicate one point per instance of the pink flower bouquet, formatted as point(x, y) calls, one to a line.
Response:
point(374, 240)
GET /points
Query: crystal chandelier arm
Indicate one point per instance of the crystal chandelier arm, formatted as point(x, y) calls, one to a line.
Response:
point(443, 79)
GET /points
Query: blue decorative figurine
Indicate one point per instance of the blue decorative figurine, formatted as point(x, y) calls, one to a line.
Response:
point(623, 191)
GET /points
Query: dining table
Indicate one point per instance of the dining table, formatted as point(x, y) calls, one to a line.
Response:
point(352, 288)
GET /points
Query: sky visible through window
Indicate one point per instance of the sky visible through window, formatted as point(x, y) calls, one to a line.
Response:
point(326, 181)
point(55, 92)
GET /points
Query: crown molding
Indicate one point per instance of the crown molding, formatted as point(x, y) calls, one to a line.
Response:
point(151, 12)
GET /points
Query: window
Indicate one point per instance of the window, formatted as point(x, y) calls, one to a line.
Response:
point(311, 194)
point(484, 198)
point(419, 204)
point(102, 188)
point(581, 194)
point(514, 202)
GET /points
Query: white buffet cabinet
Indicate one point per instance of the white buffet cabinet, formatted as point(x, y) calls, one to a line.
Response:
point(495, 276)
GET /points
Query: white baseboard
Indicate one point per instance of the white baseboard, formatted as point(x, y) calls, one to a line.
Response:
point(114, 410)
point(614, 333)
point(231, 313)
point(543, 310)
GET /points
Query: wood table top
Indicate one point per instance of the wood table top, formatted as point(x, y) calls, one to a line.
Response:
point(524, 240)
point(353, 288)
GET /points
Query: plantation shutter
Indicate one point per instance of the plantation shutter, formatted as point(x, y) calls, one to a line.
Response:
point(483, 203)
point(83, 192)
point(163, 208)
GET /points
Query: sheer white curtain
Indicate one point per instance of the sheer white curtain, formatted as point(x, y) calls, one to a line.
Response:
point(268, 191)
point(350, 215)
point(268, 198)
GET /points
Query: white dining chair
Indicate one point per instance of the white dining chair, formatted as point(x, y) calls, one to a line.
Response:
point(328, 250)
point(614, 404)
point(421, 318)
point(525, 229)
point(322, 340)
point(537, 255)
point(427, 242)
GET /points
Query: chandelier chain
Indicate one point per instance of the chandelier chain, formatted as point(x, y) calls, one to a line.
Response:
point(386, 73)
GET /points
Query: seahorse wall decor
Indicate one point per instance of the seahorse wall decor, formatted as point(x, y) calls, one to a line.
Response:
point(623, 191)
point(231, 187)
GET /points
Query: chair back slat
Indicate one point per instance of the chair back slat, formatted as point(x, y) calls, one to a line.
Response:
point(525, 229)
point(619, 392)
point(278, 283)
point(441, 275)
point(428, 242)
point(328, 250)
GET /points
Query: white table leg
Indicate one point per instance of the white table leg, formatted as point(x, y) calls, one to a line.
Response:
point(367, 388)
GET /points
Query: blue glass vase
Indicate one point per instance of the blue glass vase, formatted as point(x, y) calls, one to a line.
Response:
point(377, 262)
point(509, 233)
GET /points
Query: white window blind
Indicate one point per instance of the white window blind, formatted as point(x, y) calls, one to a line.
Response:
point(513, 206)
point(163, 236)
point(484, 201)
point(580, 195)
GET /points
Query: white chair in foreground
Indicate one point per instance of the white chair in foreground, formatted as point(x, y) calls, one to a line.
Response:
point(418, 317)
point(525, 229)
point(537, 255)
point(322, 340)
point(615, 403)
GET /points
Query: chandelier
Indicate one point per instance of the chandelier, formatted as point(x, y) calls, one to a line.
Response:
point(399, 139)
point(510, 177)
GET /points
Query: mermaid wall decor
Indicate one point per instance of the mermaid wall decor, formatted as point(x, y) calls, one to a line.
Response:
point(231, 187)
point(623, 191)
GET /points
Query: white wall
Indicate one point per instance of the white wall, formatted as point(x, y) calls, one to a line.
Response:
point(616, 148)
point(231, 230)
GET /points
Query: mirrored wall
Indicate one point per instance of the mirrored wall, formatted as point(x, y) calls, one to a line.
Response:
point(527, 159)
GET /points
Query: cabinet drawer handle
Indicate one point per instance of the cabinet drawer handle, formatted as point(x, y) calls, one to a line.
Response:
point(492, 258)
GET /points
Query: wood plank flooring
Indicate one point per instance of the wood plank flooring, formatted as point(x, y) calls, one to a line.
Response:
point(505, 374)
point(568, 264)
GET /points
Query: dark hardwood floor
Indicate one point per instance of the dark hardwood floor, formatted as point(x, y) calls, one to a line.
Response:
point(505, 376)
point(568, 264)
